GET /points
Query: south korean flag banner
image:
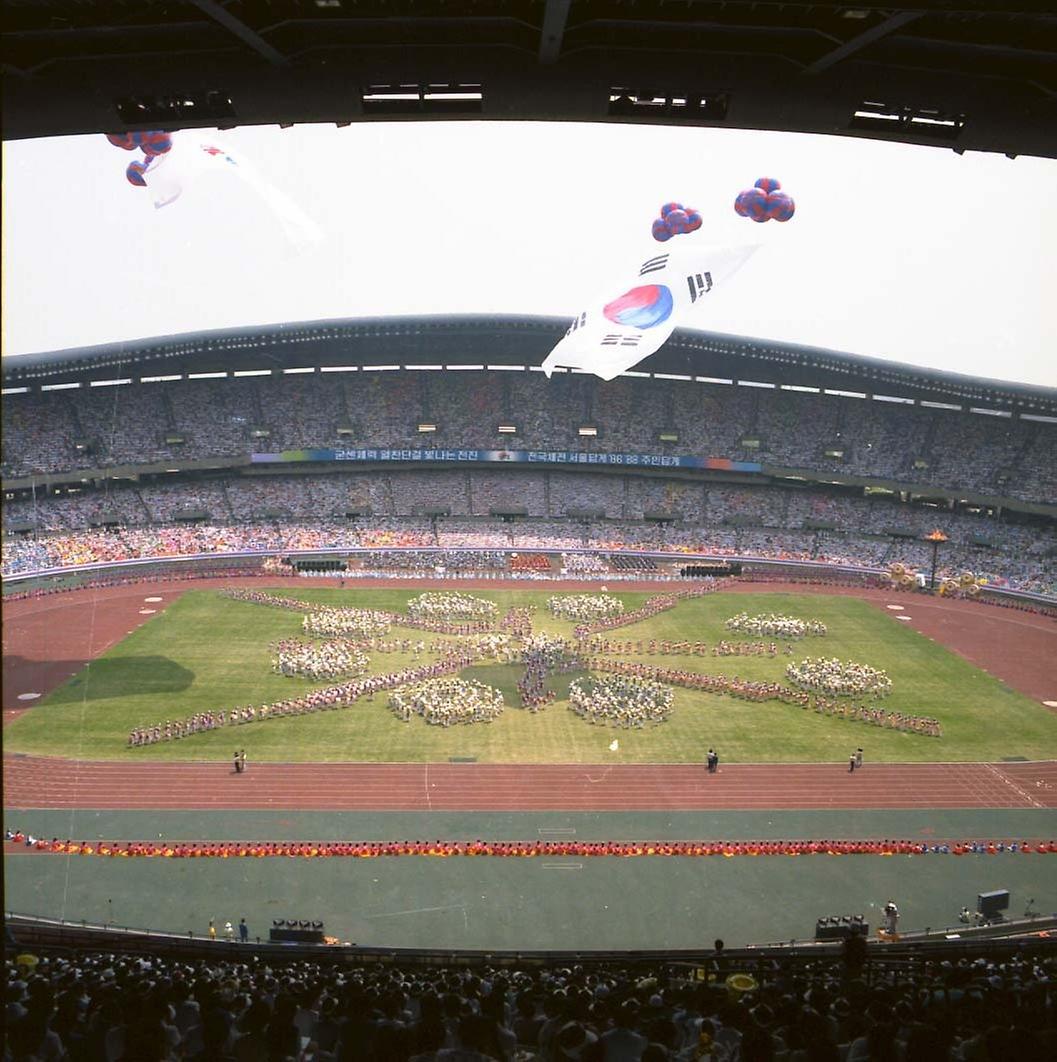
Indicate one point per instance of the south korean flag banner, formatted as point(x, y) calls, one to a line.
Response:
point(635, 317)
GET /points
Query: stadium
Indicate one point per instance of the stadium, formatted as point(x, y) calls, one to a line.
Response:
point(371, 690)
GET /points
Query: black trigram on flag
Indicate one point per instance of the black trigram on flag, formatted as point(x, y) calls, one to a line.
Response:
point(578, 322)
point(699, 284)
point(653, 265)
point(617, 340)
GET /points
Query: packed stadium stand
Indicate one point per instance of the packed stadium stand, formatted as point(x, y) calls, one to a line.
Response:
point(190, 420)
point(236, 1007)
point(206, 458)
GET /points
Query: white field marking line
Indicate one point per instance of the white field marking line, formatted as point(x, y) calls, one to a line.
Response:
point(563, 866)
point(605, 774)
point(425, 783)
point(1013, 785)
point(564, 831)
point(420, 910)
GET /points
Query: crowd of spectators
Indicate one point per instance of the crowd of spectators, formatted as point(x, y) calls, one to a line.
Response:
point(192, 419)
point(289, 512)
point(1019, 557)
point(235, 1006)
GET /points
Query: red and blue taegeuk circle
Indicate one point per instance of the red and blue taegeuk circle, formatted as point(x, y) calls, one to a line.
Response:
point(644, 307)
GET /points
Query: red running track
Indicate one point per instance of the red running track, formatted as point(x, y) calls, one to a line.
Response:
point(31, 782)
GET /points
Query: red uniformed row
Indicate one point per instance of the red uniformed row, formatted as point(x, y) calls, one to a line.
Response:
point(370, 849)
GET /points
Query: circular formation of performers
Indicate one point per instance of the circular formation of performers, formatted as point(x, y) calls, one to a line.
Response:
point(551, 652)
point(496, 646)
point(357, 622)
point(452, 605)
point(591, 607)
point(774, 625)
point(620, 700)
point(843, 678)
point(447, 701)
point(318, 660)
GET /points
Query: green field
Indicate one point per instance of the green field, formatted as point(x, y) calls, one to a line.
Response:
point(208, 652)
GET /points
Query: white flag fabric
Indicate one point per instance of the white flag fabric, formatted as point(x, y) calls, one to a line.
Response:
point(634, 318)
point(168, 175)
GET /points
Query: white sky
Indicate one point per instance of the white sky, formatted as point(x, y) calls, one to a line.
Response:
point(912, 254)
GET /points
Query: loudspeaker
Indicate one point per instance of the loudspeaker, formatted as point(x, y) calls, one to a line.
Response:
point(840, 928)
point(989, 904)
point(296, 936)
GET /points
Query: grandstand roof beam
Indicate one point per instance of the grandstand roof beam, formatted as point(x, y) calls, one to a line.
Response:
point(554, 19)
point(861, 40)
point(242, 31)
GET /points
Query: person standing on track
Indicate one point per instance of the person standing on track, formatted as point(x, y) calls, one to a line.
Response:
point(851, 763)
point(242, 761)
point(238, 765)
point(858, 758)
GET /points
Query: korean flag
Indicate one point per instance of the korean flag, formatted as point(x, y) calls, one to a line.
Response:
point(191, 158)
point(634, 318)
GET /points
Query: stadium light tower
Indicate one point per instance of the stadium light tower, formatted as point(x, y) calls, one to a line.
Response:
point(936, 537)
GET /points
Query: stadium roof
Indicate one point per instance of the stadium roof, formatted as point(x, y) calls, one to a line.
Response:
point(968, 74)
point(505, 341)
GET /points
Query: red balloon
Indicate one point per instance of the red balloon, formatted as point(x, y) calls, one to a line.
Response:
point(780, 206)
point(753, 204)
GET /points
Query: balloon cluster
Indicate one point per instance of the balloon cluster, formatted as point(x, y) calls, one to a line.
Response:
point(964, 585)
point(152, 142)
point(675, 220)
point(899, 575)
point(523, 849)
point(765, 201)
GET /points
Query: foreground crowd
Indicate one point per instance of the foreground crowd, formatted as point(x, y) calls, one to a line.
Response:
point(237, 1006)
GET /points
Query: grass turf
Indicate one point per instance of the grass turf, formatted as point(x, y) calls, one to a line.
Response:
point(208, 652)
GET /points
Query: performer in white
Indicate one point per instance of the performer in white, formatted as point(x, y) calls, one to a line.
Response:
point(891, 916)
